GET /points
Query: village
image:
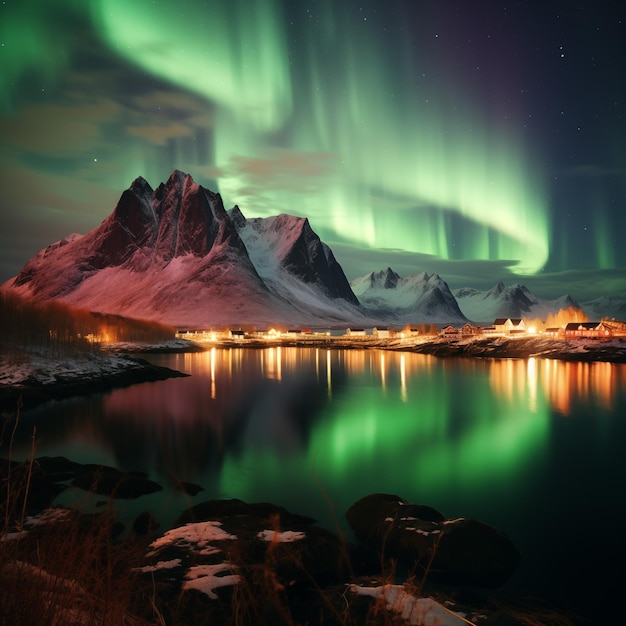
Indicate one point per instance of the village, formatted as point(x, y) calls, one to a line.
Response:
point(503, 327)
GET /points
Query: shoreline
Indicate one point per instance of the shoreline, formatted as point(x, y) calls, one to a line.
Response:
point(44, 386)
point(467, 594)
point(584, 350)
point(572, 350)
point(113, 367)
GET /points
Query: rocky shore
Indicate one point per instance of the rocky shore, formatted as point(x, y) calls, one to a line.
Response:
point(611, 350)
point(583, 350)
point(29, 380)
point(232, 562)
point(34, 379)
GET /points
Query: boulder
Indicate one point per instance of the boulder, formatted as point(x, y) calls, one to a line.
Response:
point(451, 551)
point(264, 554)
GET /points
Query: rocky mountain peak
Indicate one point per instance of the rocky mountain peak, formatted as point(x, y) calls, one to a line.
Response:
point(411, 299)
point(237, 217)
point(384, 279)
point(174, 254)
point(286, 244)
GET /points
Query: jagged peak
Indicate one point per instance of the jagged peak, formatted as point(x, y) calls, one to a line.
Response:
point(391, 278)
point(387, 279)
point(237, 217)
point(499, 288)
point(178, 180)
point(178, 176)
point(423, 276)
point(140, 185)
point(518, 287)
point(287, 218)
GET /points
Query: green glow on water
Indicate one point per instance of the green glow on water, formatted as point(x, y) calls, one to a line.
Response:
point(441, 435)
point(314, 430)
point(405, 425)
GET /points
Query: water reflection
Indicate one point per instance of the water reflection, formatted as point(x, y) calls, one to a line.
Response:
point(516, 443)
point(250, 422)
point(350, 402)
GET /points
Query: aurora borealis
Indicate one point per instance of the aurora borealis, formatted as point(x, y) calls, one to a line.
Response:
point(482, 142)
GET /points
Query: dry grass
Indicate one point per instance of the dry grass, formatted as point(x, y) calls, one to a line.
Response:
point(68, 570)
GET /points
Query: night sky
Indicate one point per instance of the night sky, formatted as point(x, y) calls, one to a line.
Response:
point(481, 140)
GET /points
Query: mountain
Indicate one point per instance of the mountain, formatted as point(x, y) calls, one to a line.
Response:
point(413, 299)
point(288, 254)
point(484, 307)
point(175, 255)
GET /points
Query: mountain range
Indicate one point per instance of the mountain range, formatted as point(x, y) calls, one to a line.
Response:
point(174, 254)
point(501, 301)
point(412, 299)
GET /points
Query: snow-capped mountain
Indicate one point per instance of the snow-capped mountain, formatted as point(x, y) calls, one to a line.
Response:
point(413, 299)
point(175, 255)
point(287, 253)
point(500, 301)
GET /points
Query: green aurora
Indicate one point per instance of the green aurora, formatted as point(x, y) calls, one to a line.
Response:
point(385, 155)
point(478, 142)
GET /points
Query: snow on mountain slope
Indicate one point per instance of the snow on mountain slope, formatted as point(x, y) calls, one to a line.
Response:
point(413, 299)
point(284, 247)
point(483, 307)
point(297, 266)
point(174, 255)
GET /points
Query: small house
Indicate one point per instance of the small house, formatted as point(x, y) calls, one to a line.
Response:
point(469, 329)
point(553, 331)
point(356, 332)
point(509, 325)
point(450, 331)
point(588, 329)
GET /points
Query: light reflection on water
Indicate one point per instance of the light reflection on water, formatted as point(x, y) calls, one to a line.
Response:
point(519, 444)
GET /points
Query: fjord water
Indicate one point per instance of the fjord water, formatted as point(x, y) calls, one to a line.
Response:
point(532, 447)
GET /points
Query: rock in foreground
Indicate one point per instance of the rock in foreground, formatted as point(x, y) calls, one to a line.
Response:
point(451, 551)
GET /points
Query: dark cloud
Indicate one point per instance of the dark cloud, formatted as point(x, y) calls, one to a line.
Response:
point(280, 169)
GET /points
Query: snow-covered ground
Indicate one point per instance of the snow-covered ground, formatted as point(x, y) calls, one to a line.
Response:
point(45, 369)
point(173, 345)
point(415, 611)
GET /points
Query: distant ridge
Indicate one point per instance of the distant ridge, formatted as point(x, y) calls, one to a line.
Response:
point(501, 301)
point(413, 299)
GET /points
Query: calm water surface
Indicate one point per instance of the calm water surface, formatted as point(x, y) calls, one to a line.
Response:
point(533, 447)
